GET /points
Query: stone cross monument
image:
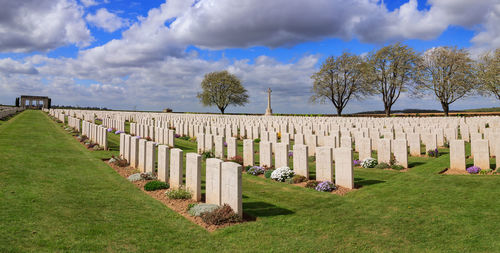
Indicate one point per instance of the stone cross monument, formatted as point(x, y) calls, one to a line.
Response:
point(269, 111)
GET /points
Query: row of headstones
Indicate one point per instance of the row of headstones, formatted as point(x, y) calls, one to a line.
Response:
point(74, 123)
point(208, 142)
point(95, 133)
point(8, 111)
point(160, 135)
point(324, 159)
point(479, 151)
point(184, 128)
point(223, 179)
point(490, 135)
point(58, 114)
point(113, 123)
point(309, 121)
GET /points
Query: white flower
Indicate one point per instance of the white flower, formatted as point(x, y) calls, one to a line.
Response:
point(369, 163)
point(281, 174)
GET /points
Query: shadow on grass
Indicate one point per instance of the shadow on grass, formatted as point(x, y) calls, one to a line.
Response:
point(263, 209)
point(415, 164)
point(360, 182)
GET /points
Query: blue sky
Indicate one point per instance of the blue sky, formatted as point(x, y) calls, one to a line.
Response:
point(153, 54)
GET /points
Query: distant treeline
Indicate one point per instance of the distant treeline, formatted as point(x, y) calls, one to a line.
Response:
point(402, 111)
point(79, 107)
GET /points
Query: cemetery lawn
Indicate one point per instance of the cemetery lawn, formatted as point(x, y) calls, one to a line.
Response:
point(58, 196)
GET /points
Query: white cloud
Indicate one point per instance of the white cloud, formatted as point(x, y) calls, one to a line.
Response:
point(489, 32)
point(88, 3)
point(41, 25)
point(106, 20)
point(9, 66)
point(218, 24)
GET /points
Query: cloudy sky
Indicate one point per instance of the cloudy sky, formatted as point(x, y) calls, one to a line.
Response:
point(152, 54)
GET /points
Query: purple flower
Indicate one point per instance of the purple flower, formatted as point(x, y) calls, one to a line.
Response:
point(356, 162)
point(118, 132)
point(110, 130)
point(225, 144)
point(325, 186)
point(177, 135)
point(473, 170)
point(255, 170)
point(290, 153)
point(138, 137)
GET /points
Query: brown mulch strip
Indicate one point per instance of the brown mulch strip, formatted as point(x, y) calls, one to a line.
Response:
point(178, 205)
point(83, 144)
point(341, 191)
point(447, 171)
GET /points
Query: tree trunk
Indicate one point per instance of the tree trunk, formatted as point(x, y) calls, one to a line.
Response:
point(446, 108)
point(222, 110)
point(387, 110)
point(339, 111)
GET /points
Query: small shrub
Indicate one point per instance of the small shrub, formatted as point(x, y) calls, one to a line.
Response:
point(369, 163)
point(446, 144)
point(298, 179)
point(155, 185)
point(149, 138)
point(290, 153)
point(473, 170)
point(312, 184)
point(392, 161)
point(237, 159)
point(433, 153)
point(256, 170)
point(268, 173)
point(83, 138)
point(221, 215)
point(207, 154)
point(356, 162)
point(186, 138)
point(485, 172)
point(256, 140)
point(397, 167)
point(281, 174)
point(246, 168)
point(382, 166)
point(325, 186)
point(191, 205)
point(120, 162)
point(180, 193)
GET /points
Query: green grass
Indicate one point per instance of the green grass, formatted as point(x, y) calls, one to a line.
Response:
point(58, 196)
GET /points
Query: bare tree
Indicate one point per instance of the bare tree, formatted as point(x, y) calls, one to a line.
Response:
point(391, 71)
point(339, 80)
point(488, 67)
point(222, 89)
point(448, 73)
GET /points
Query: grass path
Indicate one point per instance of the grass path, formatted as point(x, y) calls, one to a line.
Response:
point(57, 196)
